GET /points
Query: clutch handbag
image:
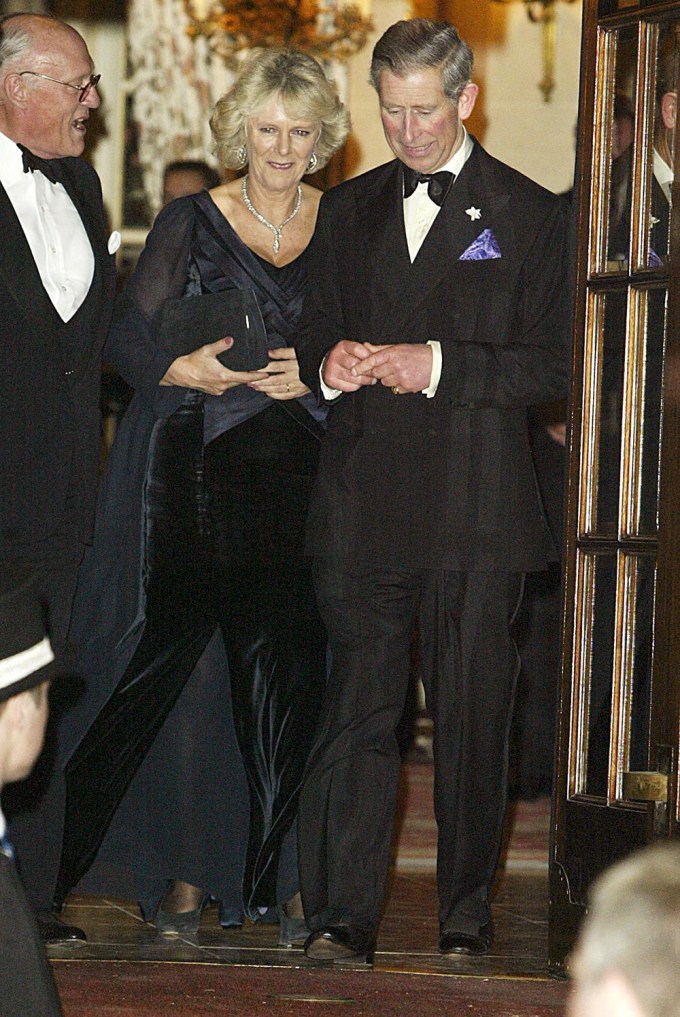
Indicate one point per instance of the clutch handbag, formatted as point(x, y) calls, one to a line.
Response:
point(189, 322)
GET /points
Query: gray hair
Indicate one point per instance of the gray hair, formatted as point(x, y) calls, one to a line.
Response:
point(15, 38)
point(414, 45)
point(633, 927)
point(305, 92)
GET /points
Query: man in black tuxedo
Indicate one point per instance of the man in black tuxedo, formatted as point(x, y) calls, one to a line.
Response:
point(56, 291)
point(436, 314)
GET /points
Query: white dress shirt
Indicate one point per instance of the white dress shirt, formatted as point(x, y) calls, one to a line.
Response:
point(664, 175)
point(54, 231)
point(419, 214)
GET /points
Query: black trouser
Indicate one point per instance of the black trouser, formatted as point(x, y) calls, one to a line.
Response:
point(349, 793)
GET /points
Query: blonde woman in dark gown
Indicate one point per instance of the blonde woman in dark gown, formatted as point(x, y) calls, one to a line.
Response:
point(197, 601)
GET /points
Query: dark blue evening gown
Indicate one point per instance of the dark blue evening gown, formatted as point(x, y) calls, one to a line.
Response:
point(199, 640)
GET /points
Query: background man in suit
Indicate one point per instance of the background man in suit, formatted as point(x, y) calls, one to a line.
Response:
point(187, 176)
point(435, 316)
point(27, 664)
point(56, 291)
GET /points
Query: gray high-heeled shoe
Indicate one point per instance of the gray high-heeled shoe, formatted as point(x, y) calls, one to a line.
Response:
point(292, 931)
point(180, 923)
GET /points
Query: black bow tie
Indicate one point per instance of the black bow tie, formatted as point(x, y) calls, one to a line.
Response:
point(48, 167)
point(438, 184)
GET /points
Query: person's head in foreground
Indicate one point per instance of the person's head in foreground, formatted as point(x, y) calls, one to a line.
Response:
point(627, 960)
point(27, 665)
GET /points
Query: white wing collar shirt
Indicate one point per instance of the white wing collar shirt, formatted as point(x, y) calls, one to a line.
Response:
point(419, 214)
point(53, 228)
point(419, 209)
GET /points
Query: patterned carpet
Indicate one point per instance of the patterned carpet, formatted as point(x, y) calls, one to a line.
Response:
point(526, 830)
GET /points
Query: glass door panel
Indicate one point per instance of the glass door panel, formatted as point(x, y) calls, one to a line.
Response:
point(658, 177)
point(610, 709)
point(602, 413)
point(639, 676)
point(650, 415)
point(615, 152)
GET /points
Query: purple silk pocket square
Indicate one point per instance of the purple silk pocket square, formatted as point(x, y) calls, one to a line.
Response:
point(483, 248)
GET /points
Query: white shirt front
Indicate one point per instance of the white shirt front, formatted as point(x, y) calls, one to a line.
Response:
point(53, 228)
point(664, 175)
point(419, 209)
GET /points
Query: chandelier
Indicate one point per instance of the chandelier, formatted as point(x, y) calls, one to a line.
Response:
point(321, 27)
point(544, 12)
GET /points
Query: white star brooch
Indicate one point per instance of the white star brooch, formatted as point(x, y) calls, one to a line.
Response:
point(474, 213)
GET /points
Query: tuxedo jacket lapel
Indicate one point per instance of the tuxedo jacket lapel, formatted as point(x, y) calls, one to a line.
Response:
point(382, 253)
point(17, 266)
point(97, 237)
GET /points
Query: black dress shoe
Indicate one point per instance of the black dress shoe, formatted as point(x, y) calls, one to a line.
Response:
point(471, 943)
point(54, 932)
point(341, 943)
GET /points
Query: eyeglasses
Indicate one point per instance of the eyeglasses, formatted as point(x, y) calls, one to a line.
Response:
point(83, 90)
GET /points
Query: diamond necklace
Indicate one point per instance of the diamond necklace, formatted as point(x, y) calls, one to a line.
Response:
point(276, 230)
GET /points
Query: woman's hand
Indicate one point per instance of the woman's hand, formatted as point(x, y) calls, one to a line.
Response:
point(282, 380)
point(203, 371)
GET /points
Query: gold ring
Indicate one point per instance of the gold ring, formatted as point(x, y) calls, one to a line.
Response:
point(396, 390)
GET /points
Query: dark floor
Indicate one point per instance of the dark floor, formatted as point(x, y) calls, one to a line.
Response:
point(209, 973)
point(126, 968)
point(407, 942)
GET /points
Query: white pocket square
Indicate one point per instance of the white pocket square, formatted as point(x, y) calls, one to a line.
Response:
point(114, 242)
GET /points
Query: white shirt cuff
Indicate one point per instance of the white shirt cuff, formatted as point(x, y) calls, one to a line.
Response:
point(431, 389)
point(328, 393)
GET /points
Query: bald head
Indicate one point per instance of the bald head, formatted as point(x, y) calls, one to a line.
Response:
point(44, 65)
point(27, 35)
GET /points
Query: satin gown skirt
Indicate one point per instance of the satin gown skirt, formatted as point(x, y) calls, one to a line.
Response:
point(224, 535)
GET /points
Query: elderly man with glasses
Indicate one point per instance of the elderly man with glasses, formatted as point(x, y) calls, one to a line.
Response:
point(57, 278)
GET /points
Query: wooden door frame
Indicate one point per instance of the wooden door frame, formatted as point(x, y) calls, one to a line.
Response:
point(631, 822)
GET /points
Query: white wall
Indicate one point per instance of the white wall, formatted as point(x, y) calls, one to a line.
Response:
point(367, 146)
point(534, 136)
point(107, 45)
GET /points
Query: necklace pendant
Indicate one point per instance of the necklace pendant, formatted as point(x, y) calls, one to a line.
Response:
point(276, 230)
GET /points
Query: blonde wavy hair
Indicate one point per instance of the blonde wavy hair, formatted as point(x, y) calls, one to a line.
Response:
point(305, 92)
